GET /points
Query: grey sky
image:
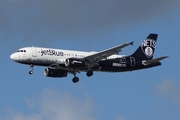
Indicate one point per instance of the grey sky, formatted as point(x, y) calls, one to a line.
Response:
point(49, 20)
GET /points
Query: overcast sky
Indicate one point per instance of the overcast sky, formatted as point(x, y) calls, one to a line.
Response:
point(92, 26)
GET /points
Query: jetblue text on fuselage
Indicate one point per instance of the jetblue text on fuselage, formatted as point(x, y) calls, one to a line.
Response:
point(51, 52)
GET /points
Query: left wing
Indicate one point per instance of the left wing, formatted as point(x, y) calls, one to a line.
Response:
point(147, 62)
point(95, 58)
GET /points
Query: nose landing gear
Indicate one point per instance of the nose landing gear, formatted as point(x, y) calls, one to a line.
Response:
point(31, 69)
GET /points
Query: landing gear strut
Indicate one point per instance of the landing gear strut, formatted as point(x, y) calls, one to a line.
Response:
point(31, 69)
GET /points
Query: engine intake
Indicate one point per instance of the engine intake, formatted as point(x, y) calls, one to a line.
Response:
point(72, 62)
point(51, 72)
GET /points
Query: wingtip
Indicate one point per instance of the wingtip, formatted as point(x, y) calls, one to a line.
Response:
point(131, 43)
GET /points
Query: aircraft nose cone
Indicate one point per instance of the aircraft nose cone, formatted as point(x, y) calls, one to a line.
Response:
point(13, 57)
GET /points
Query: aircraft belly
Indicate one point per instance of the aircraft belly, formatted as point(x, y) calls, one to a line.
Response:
point(37, 62)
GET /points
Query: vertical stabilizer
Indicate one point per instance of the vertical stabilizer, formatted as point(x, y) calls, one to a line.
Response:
point(147, 48)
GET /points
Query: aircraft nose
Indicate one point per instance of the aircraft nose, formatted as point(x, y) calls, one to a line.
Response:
point(13, 57)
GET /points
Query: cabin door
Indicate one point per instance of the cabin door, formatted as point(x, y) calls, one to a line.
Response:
point(34, 51)
point(133, 62)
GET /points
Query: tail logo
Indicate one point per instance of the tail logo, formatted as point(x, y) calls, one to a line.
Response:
point(148, 47)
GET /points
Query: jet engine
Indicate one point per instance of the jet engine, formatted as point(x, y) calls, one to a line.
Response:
point(52, 72)
point(73, 62)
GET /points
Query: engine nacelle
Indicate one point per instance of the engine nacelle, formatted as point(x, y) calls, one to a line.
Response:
point(51, 72)
point(73, 62)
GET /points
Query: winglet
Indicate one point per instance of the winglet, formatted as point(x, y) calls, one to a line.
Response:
point(132, 43)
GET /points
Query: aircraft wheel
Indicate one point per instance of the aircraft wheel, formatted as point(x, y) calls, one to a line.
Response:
point(30, 72)
point(89, 73)
point(31, 69)
point(75, 79)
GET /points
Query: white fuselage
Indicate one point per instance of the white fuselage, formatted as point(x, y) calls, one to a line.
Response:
point(47, 56)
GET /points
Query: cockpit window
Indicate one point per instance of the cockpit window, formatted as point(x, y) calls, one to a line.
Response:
point(21, 51)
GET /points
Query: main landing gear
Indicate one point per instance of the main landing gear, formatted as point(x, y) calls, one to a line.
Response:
point(31, 69)
point(89, 73)
point(76, 79)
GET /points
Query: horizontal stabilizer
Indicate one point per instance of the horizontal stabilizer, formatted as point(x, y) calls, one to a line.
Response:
point(147, 62)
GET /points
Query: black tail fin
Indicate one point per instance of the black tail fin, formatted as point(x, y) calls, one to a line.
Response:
point(147, 48)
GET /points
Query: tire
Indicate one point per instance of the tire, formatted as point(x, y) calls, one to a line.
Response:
point(75, 80)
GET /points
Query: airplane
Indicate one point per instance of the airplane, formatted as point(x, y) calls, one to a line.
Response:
point(61, 62)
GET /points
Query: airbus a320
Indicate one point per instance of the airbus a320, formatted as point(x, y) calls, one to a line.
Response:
point(61, 62)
